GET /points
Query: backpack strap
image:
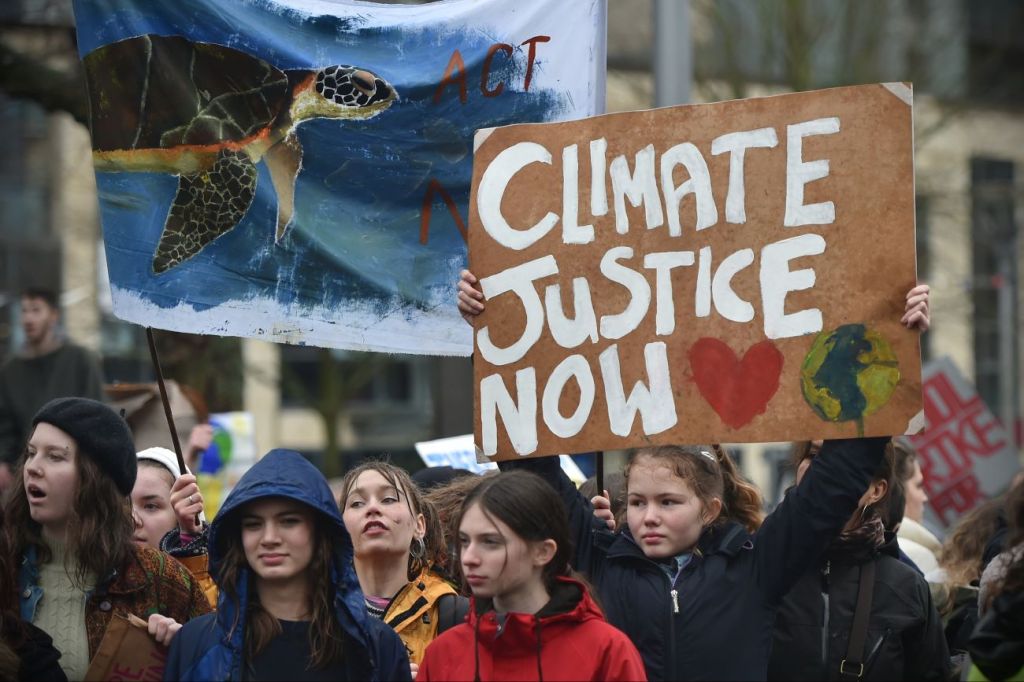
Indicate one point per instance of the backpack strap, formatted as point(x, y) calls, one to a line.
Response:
point(451, 610)
point(853, 665)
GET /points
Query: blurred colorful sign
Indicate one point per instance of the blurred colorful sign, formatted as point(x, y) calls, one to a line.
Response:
point(230, 455)
point(966, 455)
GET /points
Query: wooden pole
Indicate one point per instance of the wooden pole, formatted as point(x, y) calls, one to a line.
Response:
point(163, 398)
point(599, 474)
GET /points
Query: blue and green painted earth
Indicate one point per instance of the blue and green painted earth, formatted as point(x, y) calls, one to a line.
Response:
point(849, 373)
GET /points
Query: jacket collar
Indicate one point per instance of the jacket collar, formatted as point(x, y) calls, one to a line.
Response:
point(416, 598)
point(133, 578)
point(569, 601)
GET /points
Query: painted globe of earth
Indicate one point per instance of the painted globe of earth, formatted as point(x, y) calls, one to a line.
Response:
point(849, 373)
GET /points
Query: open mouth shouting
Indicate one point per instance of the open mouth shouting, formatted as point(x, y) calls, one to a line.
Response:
point(35, 493)
point(374, 528)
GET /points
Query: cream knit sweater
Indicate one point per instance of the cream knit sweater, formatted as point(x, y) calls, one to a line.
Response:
point(61, 613)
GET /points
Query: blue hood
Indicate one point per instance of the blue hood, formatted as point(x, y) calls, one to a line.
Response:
point(286, 473)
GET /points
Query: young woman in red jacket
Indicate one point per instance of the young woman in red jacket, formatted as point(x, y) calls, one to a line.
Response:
point(529, 620)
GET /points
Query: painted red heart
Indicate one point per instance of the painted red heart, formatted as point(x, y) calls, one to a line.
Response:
point(738, 390)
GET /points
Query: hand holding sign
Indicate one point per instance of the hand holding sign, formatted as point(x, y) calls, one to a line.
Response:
point(729, 272)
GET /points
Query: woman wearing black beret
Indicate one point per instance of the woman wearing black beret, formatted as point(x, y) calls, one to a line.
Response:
point(70, 526)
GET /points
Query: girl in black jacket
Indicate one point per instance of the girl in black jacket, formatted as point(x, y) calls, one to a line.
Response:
point(686, 579)
point(902, 637)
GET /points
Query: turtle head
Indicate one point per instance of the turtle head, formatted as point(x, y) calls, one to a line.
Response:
point(341, 92)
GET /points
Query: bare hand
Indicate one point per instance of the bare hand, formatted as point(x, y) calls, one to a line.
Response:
point(916, 312)
point(413, 668)
point(187, 502)
point(470, 298)
point(603, 509)
point(163, 628)
point(200, 437)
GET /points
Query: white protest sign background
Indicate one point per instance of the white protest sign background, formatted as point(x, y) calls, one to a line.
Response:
point(459, 452)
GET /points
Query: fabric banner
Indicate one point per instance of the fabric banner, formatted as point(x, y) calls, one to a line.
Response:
point(299, 170)
point(728, 272)
point(966, 455)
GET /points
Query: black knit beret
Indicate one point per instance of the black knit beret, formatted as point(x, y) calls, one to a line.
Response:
point(100, 433)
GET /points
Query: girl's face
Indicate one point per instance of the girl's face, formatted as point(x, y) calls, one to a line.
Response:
point(151, 505)
point(378, 518)
point(278, 536)
point(497, 563)
point(916, 496)
point(50, 477)
point(664, 514)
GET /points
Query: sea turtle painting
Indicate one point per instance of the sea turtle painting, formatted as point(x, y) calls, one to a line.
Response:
point(208, 114)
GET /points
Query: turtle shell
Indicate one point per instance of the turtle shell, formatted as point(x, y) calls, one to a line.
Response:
point(160, 92)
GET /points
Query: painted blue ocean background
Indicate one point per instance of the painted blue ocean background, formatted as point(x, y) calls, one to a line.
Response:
point(358, 197)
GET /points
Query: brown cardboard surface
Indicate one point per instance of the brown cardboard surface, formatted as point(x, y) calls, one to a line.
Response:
point(867, 266)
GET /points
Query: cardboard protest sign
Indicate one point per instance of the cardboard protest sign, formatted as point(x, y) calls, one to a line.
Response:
point(727, 272)
point(127, 652)
point(966, 455)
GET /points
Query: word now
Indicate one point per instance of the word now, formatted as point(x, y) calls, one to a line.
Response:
point(640, 186)
point(655, 404)
point(776, 279)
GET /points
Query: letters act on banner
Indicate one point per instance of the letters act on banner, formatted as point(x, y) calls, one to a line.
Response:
point(728, 272)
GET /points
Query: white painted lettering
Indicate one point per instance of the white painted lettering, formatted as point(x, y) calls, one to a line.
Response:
point(519, 280)
point(492, 188)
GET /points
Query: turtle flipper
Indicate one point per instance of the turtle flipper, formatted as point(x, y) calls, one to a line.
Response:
point(284, 160)
point(207, 205)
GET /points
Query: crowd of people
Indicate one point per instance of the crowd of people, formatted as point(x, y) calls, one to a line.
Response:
point(669, 571)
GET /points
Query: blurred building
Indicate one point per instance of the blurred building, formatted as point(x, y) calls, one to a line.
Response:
point(963, 57)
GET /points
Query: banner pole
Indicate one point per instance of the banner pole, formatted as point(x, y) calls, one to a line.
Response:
point(599, 474)
point(163, 398)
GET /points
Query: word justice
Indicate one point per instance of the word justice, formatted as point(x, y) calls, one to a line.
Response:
point(654, 402)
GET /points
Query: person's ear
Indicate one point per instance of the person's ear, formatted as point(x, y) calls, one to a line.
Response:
point(544, 551)
point(875, 493)
point(421, 525)
point(711, 511)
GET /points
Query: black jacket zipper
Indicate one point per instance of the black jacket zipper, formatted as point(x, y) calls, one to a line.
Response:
point(873, 654)
point(825, 620)
point(673, 611)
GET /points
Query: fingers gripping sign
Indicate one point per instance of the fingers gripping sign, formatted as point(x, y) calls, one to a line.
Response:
point(915, 314)
point(603, 509)
point(470, 298)
point(162, 628)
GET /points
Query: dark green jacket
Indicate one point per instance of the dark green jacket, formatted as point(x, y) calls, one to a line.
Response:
point(26, 384)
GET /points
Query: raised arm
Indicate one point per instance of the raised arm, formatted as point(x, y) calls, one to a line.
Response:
point(812, 514)
point(583, 525)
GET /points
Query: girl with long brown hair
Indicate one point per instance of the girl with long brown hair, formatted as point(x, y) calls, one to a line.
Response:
point(289, 603)
point(531, 618)
point(70, 523)
point(400, 548)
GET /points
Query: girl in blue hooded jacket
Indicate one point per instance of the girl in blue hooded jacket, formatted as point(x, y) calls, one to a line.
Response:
point(289, 606)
